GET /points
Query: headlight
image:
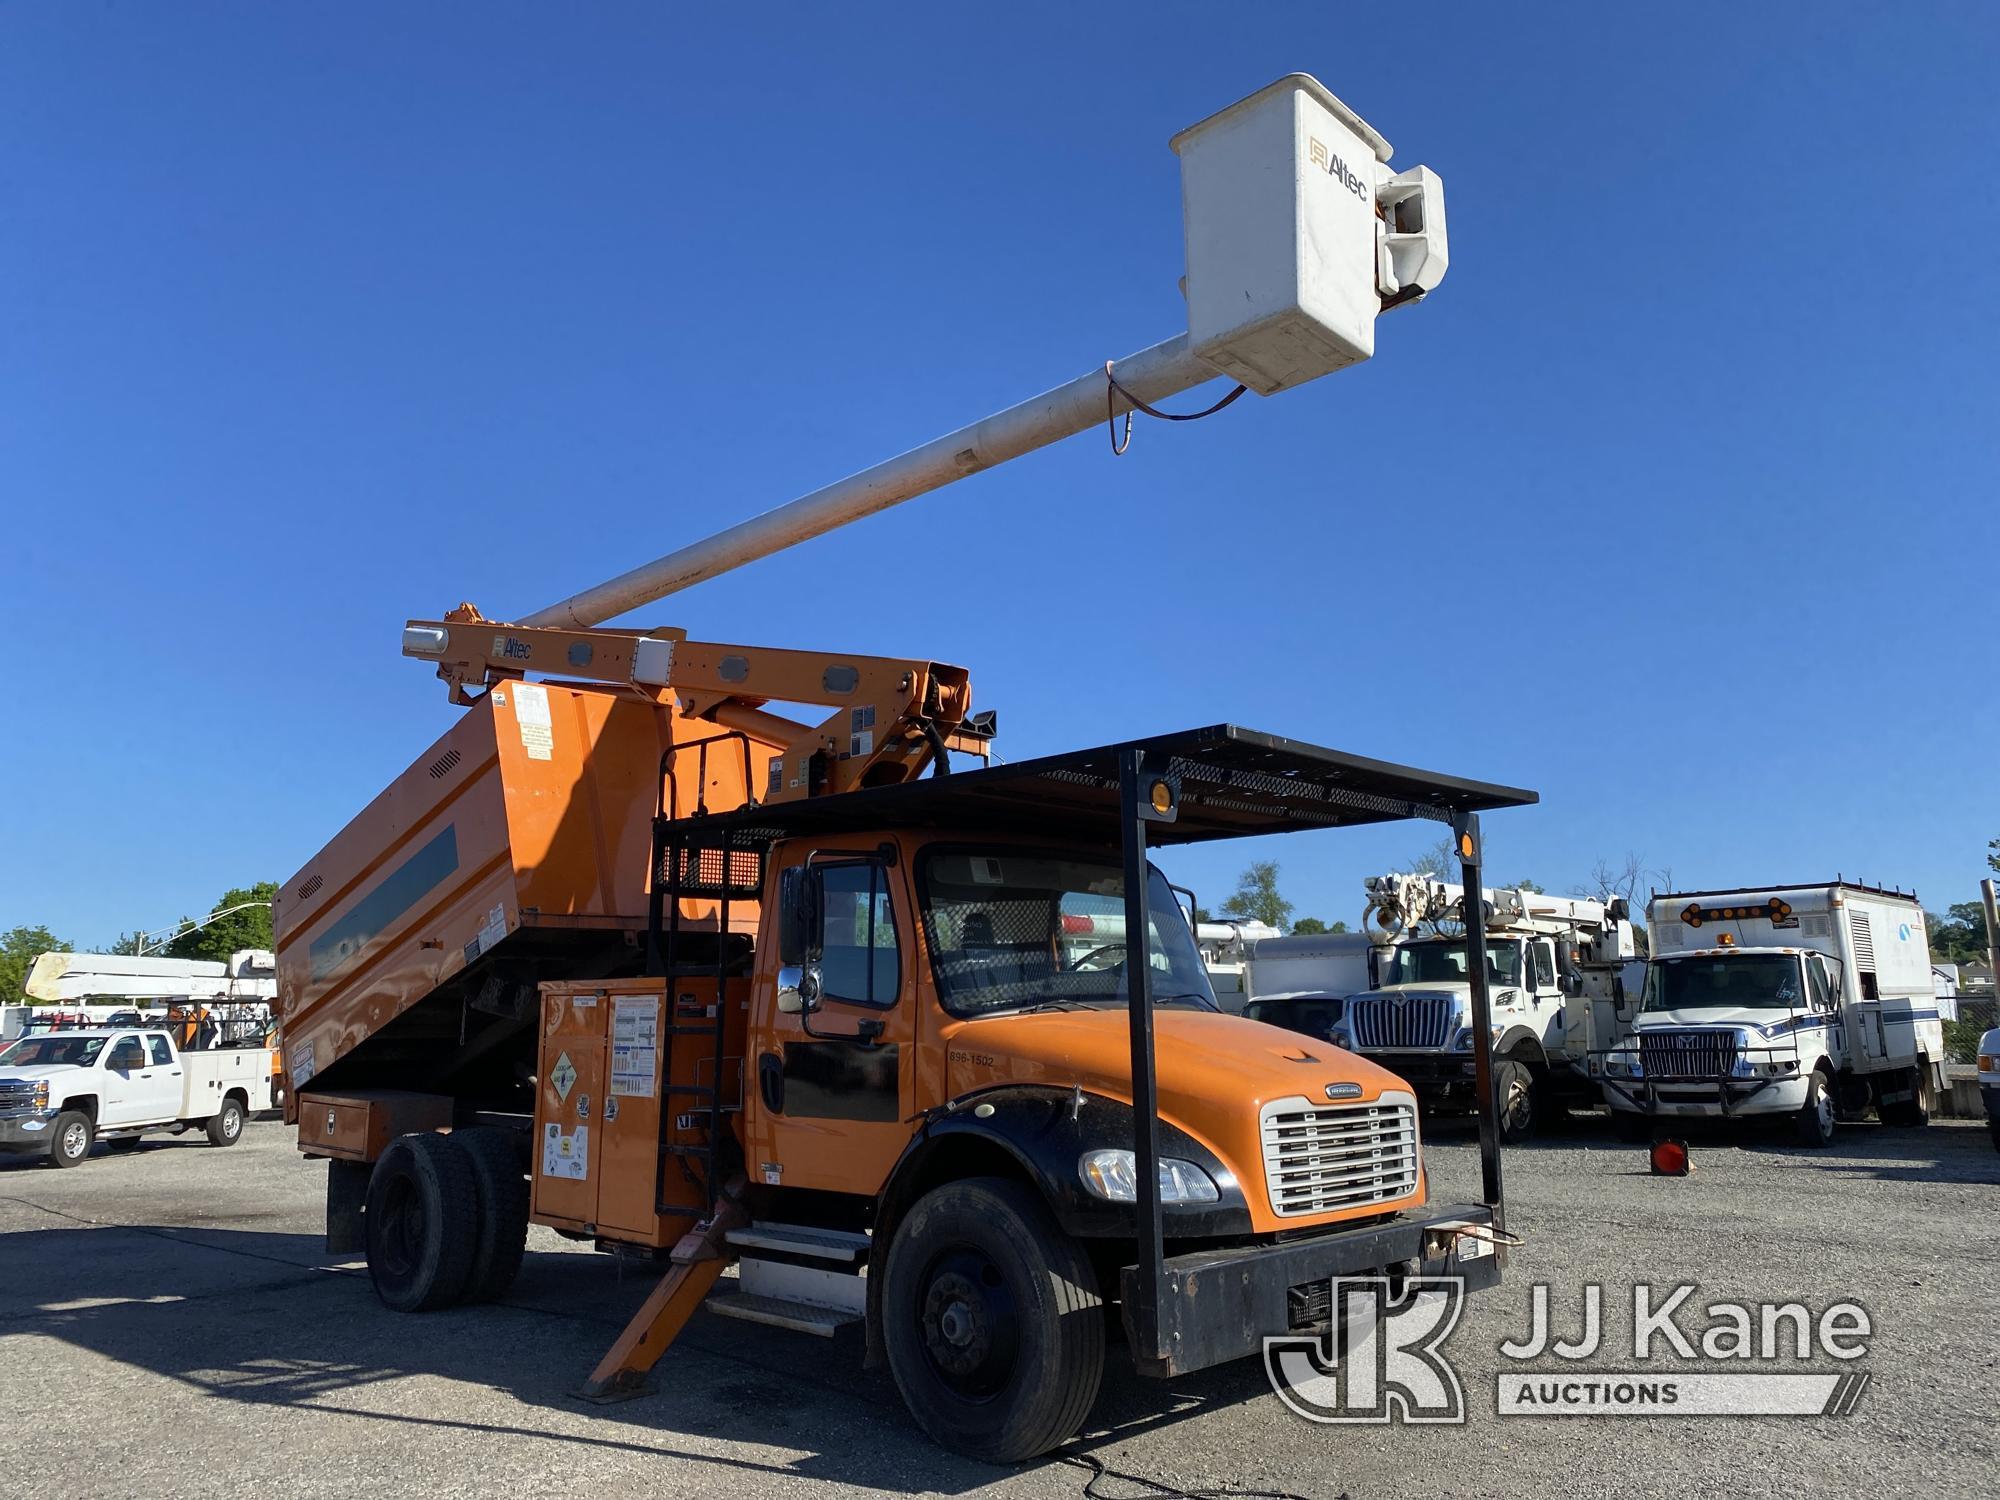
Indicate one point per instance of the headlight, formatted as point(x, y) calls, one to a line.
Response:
point(1989, 1062)
point(1623, 1065)
point(1114, 1175)
point(42, 1095)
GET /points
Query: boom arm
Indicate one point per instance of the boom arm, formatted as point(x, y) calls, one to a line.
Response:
point(892, 718)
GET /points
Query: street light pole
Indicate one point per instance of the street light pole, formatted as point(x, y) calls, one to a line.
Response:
point(180, 929)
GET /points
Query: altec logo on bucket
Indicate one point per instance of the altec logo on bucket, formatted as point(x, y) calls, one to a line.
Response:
point(1383, 1360)
point(1334, 167)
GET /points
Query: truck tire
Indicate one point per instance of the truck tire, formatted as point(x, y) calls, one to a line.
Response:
point(225, 1126)
point(70, 1141)
point(1915, 1110)
point(497, 1169)
point(992, 1320)
point(421, 1222)
point(1815, 1117)
point(1514, 1095)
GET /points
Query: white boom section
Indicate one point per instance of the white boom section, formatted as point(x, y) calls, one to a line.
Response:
point(1297, 237)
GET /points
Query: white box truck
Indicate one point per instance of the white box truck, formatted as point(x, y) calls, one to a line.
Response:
point(1808, 1001)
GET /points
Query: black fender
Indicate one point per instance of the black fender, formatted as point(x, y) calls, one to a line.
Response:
point(1040, 1133)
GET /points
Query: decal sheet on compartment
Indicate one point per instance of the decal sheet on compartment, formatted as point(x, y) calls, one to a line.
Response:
point(531, 712)
point(566, 1155)
point(635, 1041)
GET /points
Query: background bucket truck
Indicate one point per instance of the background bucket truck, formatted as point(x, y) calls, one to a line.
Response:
point(1555, 964)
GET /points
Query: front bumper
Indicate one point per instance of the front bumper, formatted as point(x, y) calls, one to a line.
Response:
point(25, 1131)
point(1990, 1092)
point(1437, 1078)
point(1713, 1097)
point(1221, 1305)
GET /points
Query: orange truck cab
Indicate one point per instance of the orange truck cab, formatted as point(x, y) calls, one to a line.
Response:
point(858, 1055)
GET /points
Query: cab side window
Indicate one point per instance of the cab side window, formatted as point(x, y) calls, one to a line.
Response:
point(162, 1053)
point(1822, 995)
point(859, 961)
point(126, 1054)
point(1545, 966)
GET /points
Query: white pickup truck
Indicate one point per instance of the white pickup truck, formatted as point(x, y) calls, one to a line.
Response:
point(62, 1091)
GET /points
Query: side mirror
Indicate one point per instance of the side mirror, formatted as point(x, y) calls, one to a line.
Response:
point(1571, 984)
point(798, 915)
point(798, 990)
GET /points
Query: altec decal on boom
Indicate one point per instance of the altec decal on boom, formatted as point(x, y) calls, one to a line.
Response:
point(629, 953)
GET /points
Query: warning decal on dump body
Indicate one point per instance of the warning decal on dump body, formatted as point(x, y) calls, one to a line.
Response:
point(563, 1076)
point(299, 1063)
point(566, 1155)
point(531, 712)
point(635, 1041)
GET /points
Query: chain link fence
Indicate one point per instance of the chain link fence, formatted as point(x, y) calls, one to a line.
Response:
point(1975, 1018)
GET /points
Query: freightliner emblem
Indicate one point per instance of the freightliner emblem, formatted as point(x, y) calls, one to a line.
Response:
point(1343, 1091)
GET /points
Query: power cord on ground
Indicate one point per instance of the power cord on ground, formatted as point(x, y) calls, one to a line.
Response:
point(1152, 1489)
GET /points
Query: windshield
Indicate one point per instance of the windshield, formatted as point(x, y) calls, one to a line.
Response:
point(1444, 963)
point(1753, 981)
point(41, 1051)
point(1008, 929)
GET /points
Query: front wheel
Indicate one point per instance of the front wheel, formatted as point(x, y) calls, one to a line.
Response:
point(225, 1126)
point(1514, 1093)
point(71, 1141)
point(1815, 1118)
point(993, 1321)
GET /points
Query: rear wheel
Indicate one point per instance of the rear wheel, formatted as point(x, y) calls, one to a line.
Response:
point(994, 1325)
point(225, 1126)
point(1915, 1110)
point(1514, 1093)
point(422, 1222)
point(70, 1143)
point(1815, 1117)
point(498, 1169)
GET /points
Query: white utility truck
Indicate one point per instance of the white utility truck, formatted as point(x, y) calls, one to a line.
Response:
point(61, 1091)
point(1302, 982)
point(1808, 1001)
point(1555, 964)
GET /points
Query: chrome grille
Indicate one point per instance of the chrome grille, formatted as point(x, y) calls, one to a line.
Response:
point(1322, 1157)
point(1400, 1020)
point(1687, 1054)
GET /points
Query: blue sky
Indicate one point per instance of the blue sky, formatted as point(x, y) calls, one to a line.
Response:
point(1675, 503)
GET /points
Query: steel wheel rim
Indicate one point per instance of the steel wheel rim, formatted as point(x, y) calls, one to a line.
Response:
point(232, 1123)
point(969, 1323)
point(74, 1139)
point(1823, 1111)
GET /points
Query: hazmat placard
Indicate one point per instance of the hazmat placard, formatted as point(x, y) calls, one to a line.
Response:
point(635, 1042)
point(563, 1076)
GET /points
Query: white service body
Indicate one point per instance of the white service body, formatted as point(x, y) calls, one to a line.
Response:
point(49, 1079)
point(1749, 992)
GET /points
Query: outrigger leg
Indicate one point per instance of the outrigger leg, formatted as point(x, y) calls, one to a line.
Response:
point(700, 1257)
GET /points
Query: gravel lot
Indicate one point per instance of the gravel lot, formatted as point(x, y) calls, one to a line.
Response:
point(169, 1326)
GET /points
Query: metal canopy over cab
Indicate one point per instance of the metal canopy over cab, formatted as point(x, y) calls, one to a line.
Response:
point(1224, 781)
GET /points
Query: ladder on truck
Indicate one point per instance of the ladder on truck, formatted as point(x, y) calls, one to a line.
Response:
point(691, 862)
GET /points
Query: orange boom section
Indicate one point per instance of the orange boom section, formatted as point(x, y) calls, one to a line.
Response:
point(516, 848)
